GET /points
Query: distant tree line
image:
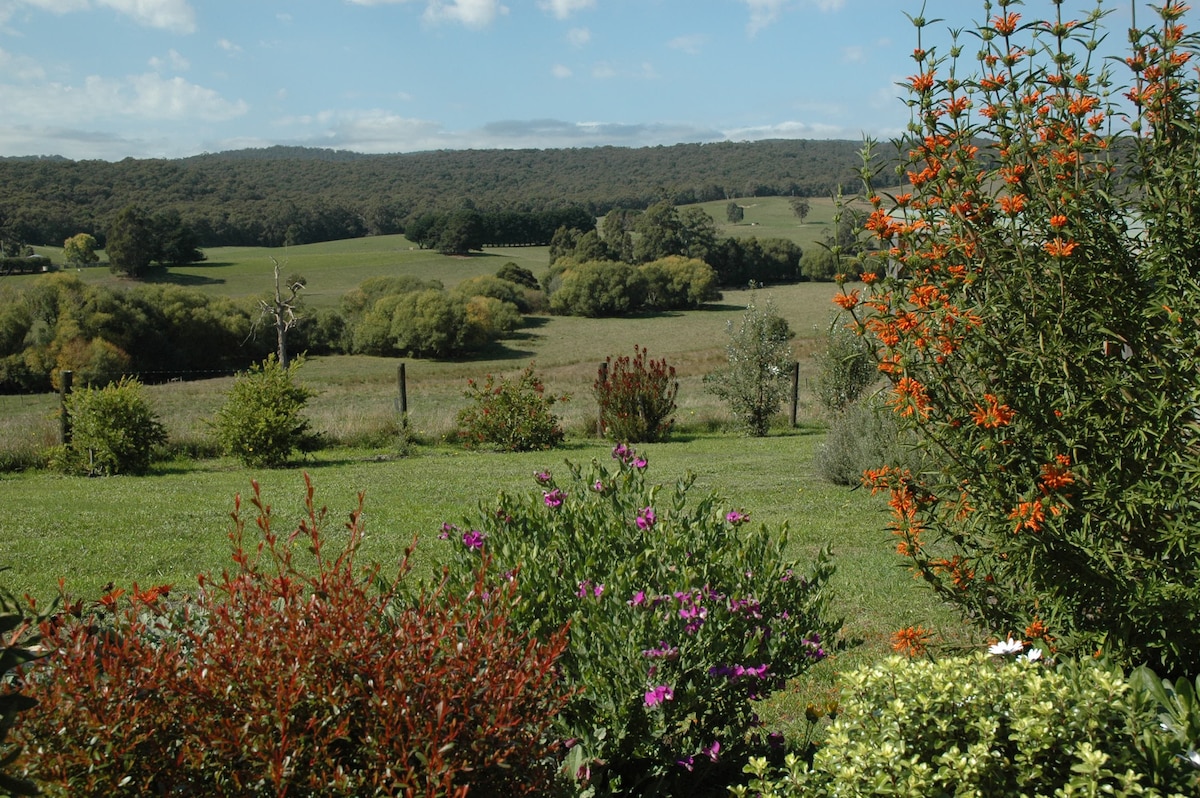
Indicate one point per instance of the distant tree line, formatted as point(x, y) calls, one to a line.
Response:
point(281, 195)
point(467, 229)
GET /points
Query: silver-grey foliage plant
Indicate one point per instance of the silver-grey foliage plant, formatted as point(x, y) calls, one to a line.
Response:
point(755, 381)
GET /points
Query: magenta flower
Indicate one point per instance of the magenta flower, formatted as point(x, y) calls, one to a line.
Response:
point(737, 517)
point(638, 599)
point(473, 539)
point(659, 694)
point(639, 463)
point(543, 477)
point(621, 452)
point(646, 518)
point(553, 498)
point(712, 751)
point(598, 486)
point(446, 530)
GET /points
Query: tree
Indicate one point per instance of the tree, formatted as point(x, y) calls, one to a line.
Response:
point(261, 422)
point(175, 241)
point(800, 207)
point(734, 213)
point(698, 233)
point(281, 310)
point(130, 242)
point(755, 381)
point(659, 233)
point(80, 250)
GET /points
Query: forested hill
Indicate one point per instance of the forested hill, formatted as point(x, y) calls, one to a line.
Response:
point(262, 196)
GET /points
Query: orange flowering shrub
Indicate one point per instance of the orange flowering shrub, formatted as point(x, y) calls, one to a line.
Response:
point(1033, 299)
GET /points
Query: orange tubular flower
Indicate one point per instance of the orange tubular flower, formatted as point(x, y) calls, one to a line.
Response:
point(1058, 220)
point(912, 642)
point(847, 301)
point(1058, 248)
point(921, 83)
point(910, 398)
point(1057, 475)
point(994, 415)
point(1006, 24)
point(1028, 515)
point(1013, 204)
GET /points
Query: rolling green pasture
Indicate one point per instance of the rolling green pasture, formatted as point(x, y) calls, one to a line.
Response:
point(173, 524)
point(334, 267)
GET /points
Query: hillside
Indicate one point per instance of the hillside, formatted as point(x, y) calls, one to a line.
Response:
point(254, 197)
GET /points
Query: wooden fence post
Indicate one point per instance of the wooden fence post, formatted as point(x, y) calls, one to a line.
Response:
point(795, 390)
point(64, 390)
point(402, 382)
point(601, 380)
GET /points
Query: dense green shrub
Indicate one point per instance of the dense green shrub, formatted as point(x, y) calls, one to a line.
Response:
point(683, 617)
point(678, 283)
point(298, 672)
point(261, 422)
point(818, 264)
point(846, 368)
point(1034, 304)
point(16, 649)
point(512, 415)
point(599, 288)
point(862, 437)
point(429, 322)
point(984, 725)
point(636, 397)
point(758, 375)
point(113, 430)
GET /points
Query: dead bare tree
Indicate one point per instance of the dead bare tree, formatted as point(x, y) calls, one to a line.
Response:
point(282, 310)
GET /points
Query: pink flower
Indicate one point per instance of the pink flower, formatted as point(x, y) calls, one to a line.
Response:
point(659, 694)
point(446, 530)
point(473, 539)
point(639, 462)
point(646, 518)
point(553, 498)
point(543, 477)
point(638, 599)
point(712, 751)
point(737, 517)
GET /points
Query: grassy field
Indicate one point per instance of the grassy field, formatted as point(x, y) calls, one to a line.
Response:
point(335, 267)
point(171, 525)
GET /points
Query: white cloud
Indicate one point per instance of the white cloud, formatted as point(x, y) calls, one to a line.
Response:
point(148, 97)
point(691, 44)
point(173, 15)
point(766, 12)
point(578, 37)
point(173, 61)
point(21, 67)
point(854, 54)
point(560, 71)
point(228, 46)
point(472, 13)
point(603, 71)
point(562, 9)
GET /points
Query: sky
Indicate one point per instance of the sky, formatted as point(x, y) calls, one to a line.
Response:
point(111, 79)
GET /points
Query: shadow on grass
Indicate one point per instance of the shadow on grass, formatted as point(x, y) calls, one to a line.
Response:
point(168, 277)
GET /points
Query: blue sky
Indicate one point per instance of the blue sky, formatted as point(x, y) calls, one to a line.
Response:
point(111, 79)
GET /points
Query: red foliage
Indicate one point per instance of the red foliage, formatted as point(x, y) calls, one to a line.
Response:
point(285, 680)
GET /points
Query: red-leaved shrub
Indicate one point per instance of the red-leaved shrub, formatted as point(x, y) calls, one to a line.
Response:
point(296, 673)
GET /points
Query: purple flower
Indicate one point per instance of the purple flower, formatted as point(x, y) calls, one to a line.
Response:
point(586, 587)
point(737, 517)
point(639, 463)
point(598, 486)
point(446, 530)
point(621, 452)
point(687, 763)
point(638, 599)
point(473, 539)
point(663, 651)
point(712, 751)
point(543, 477)
point(646, 518)
point(659, 694)
point(553, 498)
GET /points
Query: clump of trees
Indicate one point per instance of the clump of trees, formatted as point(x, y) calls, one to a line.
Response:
point(159, 331)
